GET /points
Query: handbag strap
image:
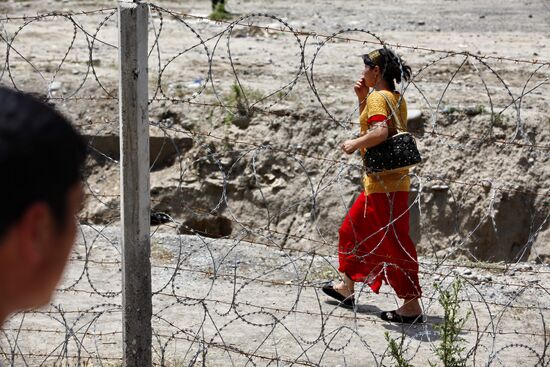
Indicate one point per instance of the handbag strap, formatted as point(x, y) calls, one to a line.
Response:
point(399, 126)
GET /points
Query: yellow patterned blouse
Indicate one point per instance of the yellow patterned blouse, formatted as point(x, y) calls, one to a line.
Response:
point(377, 104)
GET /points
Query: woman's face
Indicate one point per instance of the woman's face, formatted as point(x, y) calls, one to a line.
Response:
point(371, 75)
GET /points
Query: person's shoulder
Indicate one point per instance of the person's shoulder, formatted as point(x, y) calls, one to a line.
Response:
point(376, 97)
point(376, 104)
point(394, 97)
point(376, 100)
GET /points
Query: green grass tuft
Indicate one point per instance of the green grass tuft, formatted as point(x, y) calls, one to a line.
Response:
point(220, 13)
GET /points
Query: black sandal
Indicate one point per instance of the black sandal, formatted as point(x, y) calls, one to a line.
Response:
point(393, 316)
point(348, 301)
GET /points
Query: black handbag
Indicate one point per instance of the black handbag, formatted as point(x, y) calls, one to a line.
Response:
point(397, 152)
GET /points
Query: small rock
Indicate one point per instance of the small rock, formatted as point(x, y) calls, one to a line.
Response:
point(270, 177)
point(440, 187)
point(449, 109)
point(467, 272)
point(421, 23)
point(278, 184)
point(482, 16)
point(55, 85)
point(473, 110)
point(241, 121)
point(486, 184)
point(159, 218)
point(96, 61)
point(414, 115)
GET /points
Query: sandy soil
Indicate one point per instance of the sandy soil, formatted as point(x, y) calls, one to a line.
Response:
point(238, 298)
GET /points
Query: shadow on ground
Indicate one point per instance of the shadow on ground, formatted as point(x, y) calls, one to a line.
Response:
point(423, 332)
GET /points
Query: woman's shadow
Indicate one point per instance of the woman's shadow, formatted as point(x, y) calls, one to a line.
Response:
point(423, 332)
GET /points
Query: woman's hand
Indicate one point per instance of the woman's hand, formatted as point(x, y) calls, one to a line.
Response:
point(349, 146)
point(361, 90)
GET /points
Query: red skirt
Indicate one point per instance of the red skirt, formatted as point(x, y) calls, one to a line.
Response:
point(375, 245)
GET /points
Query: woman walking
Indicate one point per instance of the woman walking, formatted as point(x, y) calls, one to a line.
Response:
point(374, 243)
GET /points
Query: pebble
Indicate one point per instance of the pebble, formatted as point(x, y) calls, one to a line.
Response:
point(96, 61)
point(414, 115)
point(449, 109)
point(55, 85)
point(473, 110)
point(486, 184)
point(440, 187)
point(278, 184)
point(270, 177)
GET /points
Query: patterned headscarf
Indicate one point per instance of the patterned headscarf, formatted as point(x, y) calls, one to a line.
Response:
point(374, 58)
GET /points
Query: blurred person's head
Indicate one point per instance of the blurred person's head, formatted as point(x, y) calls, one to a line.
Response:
point(384, 64)
point(41, 158)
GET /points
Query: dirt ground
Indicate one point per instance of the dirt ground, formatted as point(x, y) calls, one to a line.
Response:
point(218, 167)
point(251, 303)
point(266, 166)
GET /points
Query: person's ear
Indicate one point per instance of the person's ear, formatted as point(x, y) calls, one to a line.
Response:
point(35, 230)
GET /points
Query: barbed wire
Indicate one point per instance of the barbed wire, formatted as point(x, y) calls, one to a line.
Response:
point(249, 187)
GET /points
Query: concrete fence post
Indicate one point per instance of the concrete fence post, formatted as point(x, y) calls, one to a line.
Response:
point(135, 196)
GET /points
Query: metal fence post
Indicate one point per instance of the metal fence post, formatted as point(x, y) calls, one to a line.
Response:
point(135, 197)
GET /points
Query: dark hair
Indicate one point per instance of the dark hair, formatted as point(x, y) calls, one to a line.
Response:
point(41, 157)
point(393, 67)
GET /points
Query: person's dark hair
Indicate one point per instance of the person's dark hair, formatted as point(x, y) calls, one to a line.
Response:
point(41, 157)
point(393, 67)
